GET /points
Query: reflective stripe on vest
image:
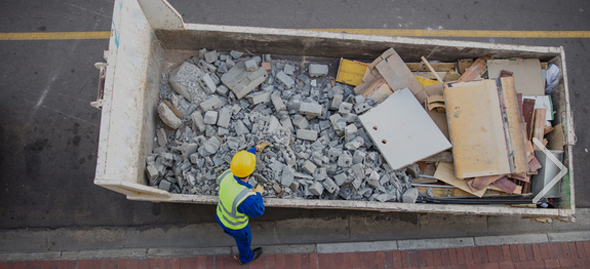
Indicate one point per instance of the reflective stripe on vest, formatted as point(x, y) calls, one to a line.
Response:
point(231, 192)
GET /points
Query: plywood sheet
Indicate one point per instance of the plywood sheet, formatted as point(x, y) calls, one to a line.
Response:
point(476, 129)
point(402, 130)
point(528, 78)
point(446, 173)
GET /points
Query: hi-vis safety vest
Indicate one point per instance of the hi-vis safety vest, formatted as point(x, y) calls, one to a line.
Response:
point(231, 194)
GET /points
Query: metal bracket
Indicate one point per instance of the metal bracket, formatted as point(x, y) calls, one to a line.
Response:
point(101, 79)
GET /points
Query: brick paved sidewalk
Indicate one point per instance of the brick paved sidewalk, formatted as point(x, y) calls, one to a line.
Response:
point(547, 255)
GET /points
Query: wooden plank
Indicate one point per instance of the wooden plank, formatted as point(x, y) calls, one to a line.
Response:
point(445, 156)
point(539, 125)
point(556, 138)
point(424, 180)
point(463, 65)
point(438, 67)
point(476, 129)
point(515, 142)
point(473, 71)
point(431, 69)
point(400, 124)
point(505, 184)
point(446, 173)
point(528, 108)
point(521, 177)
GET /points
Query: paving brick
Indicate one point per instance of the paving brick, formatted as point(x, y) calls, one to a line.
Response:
point(585, 263)
point(313, 261)
point(529, 264)
point(367, 259)
point(483, 255)
point(521, 253)
point(499, 253)
point(475, 255)
point(188, 263)
point(422, 258)
point(444, 255)
point(227, 262)
point(405, 259)
point(453, 256)
point(82, 264)
point(506, 255)
point(53, 265)
point(175, 263)
point(380, 259)
point(528, 250)
point(506, 265)
point(461, 256)
point(558, 250)
point(296, 260)
point(581, 250)
point(280, 260)
point(353, 259)
point(566, 250)
point(587, 247)
point(397, 259)
point(271, 261)
point(327, 260)
point(573, 250)
point(288, 258)
point(552, 251)
point(567, 263)
point(158, 263)
point(537, 252)
point(491, 251)
point(305, 261)
point(552, 263)
point(413, 258)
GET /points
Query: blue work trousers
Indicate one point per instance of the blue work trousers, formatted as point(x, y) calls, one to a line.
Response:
point(243, 239)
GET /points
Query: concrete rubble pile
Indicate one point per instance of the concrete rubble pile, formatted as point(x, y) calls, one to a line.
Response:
point(215, 104)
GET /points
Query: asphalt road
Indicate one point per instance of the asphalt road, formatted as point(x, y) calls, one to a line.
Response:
point(49, 132)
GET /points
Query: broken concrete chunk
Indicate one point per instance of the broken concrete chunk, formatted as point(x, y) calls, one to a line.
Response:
point(184, 80)
point(240, 128)
point(287, 176)
point(222, 90)
point(161, 135)
point(165, 185)
point(251, 65)
point(359, 99)
point(285, 80)
point(168, 116)
point(198, 121)
point(318, 70)
point(360, 108)
point(320, 174)
point(286, 123)
point(311, 109)
point(236, 54)
point(210, 117)
point(212, 103)
point(289, 69)
point(316, 188)
point(224, 117)
point(211, 56)
point(308, 167)
point(341, 179)
point(345, 160)
point(241, 81)
point(275, 97)
point(410, 196)
point(152, 173)
point(330, 186)
point(207, 66)
point(301, 122)
point(309, 135)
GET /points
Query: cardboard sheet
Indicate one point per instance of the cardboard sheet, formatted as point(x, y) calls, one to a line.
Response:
point(446, 173)
point(528, 78)
point(402, 130)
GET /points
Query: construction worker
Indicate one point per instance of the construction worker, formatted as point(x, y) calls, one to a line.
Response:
point(238, 201)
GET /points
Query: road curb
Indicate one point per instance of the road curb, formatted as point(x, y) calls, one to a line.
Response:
point(322, 248)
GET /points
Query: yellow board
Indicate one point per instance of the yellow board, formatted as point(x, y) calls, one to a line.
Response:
point(351, 72)
point(425, 81)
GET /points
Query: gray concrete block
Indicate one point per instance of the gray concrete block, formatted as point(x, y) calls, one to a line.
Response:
point(184, 80)
point(311, 109)
point(273, 125)
point(222, 90)
point(210, 117)
point(277, 102)
point(240, 128)
point(300, 122)
point(207, 84)
point(198, 121)
point(161, 135)
point(359, 99)
point(224, 117)
point(345, 108)
point(242, 82)
point(309, 135)
point(320, 174)
point(318, 70)
point(152, 173)
point(360, 108)
point(336, 101)
point(207, 66)
point(286, 123)
point(316, 188)
point(340, 179)
point(289, 69)
point(230, 64)
point(345, 160)
point(210, 104)
point(259, 97)
point(285, 80)
point(165, 185)
point(309, 167)
point(251, 65)
point(168, 117)
point(287, 176)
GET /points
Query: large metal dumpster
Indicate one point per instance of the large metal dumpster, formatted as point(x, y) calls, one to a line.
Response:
point(149, 36)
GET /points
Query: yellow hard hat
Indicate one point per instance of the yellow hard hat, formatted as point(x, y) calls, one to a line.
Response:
point(243, 164)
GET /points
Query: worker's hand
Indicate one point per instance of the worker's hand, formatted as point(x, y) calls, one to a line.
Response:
point(259, 189)
point(262, 145)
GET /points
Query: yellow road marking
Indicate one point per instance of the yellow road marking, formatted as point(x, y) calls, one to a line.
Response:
point(461, 33)
point(55, 35)
point(382, 32)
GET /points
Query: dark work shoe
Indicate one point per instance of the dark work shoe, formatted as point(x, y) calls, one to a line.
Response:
point(257, 254)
